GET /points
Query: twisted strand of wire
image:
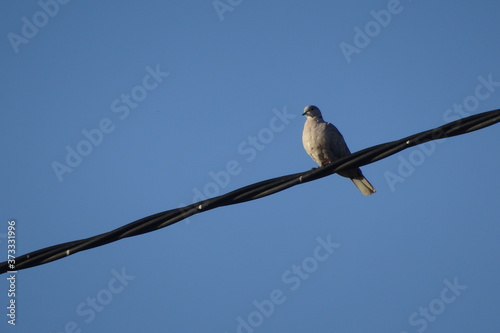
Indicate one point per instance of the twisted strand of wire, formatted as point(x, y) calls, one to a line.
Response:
point(254, 191)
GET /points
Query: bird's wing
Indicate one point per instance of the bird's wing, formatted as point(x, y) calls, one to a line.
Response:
point(336, 141)
point(338, 148)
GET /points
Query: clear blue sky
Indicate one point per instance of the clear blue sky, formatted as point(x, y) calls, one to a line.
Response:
point(112, 111)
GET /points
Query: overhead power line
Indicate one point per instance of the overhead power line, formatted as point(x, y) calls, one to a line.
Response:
point(252, 192)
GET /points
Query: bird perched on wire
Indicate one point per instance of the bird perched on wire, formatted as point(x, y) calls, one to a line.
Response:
point(324, 143)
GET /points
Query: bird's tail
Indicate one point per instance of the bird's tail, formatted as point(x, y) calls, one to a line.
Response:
point(364, 185)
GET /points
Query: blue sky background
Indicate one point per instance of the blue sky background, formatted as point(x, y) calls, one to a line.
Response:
point(230, 73)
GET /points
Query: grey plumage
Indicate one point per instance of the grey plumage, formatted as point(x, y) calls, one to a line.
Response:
point(325, 144)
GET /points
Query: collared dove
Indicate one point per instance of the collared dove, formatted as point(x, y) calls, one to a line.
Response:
point(324, 143)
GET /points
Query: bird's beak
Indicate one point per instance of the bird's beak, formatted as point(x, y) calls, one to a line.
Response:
point(304, 113)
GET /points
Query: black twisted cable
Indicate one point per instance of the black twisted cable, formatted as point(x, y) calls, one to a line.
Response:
point(254, 191)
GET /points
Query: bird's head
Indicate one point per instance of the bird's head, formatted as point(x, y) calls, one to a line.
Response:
point(312, 111)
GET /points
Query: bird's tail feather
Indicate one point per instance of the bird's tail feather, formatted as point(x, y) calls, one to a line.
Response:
point(364, 185)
